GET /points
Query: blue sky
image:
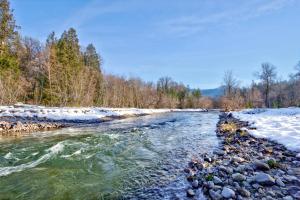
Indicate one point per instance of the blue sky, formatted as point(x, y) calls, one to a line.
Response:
point(192, 41)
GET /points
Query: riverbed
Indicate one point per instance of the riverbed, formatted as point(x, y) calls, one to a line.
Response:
point(133, 158)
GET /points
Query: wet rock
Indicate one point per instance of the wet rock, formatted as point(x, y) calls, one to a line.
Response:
point(264, 179)
point(215, 195)
point(259, 165)
point(228, 193)
point(238, 177)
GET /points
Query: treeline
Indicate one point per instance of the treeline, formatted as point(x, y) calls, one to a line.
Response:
point(60, 72)
point(270, 91)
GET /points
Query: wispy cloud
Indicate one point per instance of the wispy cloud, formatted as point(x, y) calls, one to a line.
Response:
point(192, 24)
point(92, 10)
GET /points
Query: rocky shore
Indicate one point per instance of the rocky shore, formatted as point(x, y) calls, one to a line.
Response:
point(244, 167)
point(17, 127)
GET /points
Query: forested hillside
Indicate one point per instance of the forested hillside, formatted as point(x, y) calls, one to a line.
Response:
point(61, 72)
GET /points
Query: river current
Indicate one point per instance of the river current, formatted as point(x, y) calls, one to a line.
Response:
point(133, 158)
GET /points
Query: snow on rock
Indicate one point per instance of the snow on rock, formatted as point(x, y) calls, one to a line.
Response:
point(80, 113)
point(280, 125)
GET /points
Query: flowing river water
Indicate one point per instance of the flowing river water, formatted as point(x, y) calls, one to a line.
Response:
point(134, 158)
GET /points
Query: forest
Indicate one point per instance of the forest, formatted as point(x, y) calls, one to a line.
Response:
point(61, 72)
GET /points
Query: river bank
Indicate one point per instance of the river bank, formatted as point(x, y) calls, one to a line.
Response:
point(21, 118)
point(245, 167)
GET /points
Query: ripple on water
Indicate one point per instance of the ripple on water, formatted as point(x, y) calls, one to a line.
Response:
point(4, 171)
point(131, 158)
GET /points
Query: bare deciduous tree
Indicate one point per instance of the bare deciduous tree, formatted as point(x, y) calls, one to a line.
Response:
point(230, 83)
point(267, 77)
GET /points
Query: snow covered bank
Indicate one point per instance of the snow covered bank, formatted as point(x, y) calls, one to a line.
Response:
point(80, 114)
point(280, 125)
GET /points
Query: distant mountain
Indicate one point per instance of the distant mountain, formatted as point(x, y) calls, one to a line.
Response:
point(214, 93)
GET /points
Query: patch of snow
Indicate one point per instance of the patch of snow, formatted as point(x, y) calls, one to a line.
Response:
point(81, 113)
point(280, 125)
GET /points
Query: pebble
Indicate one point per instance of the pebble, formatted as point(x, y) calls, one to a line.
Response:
point(287, 198)
point(244, 192)
point(238, 177)
point(279, 182)
point(215, 195)
point(195, 184)
point(228, 193)
point(190, 193)
point(242, 168)
point(210, 184)
point(294, 191)
point(217, 180)
point(264, 179)
point(220, 152)
point(259, 165)
point(238, 159)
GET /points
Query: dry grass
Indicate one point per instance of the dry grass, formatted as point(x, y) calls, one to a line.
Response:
point(229, 128)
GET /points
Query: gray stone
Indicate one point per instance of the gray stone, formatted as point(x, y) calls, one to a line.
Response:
point(238, 177)
point(259, 165)
point(244, 192)
point(279, 182)
point(240, 168)
point(264, 179)
point(210, 184)
point(217, 180)
point(190, 193)
point(294, 191)
point(287, 198)
point(271, 193)
point(215, 195)
point(228, 193)
point(236, 185)
point(228, 170)
point(195, 184)
point(238, 159)
point(296, 195)
point(290, 178)
point(269, 198)
point(220, 152)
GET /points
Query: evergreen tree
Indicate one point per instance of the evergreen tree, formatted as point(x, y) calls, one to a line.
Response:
point(91, 57)
point(8, 37)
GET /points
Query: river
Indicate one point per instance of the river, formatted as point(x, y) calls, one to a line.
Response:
point(133, 158)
